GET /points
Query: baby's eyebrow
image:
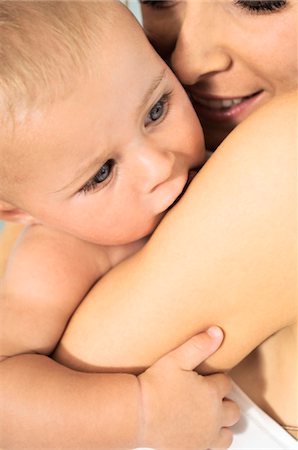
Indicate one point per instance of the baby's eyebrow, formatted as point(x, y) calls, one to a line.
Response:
point(154, 85)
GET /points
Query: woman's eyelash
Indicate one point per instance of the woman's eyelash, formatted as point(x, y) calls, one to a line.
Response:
point(262, 6)
point(157, 4)
point(254, 6)
point(102, 175)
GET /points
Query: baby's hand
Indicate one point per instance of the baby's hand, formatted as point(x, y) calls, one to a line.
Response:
point(184, 410)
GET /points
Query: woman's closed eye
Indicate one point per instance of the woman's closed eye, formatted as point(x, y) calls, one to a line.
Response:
point(156, 4)
point(101, 177)
point(261, 6)
point(159, 110)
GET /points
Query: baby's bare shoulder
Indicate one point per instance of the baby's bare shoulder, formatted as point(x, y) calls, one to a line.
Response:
point(47, 276)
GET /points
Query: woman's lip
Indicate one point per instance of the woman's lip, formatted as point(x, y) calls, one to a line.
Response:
point(221, 109)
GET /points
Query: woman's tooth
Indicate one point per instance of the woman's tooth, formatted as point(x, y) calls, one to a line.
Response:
point(227, 103)
point(236, 101)
point(220, 104)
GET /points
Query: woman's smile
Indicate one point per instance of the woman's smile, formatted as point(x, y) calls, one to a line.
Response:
point(225, 109)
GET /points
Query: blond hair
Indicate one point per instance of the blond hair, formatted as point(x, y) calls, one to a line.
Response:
point(44, 46)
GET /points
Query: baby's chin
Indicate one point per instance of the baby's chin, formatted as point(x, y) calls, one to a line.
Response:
point(155, 222)
point(140, 234)
point(148, 231)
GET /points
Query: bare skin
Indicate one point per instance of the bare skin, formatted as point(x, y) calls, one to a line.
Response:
point(261, 372)
point(8, 237)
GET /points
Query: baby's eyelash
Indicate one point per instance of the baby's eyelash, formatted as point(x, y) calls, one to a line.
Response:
point(261, 6)
point(157, 115)
point(102, 176)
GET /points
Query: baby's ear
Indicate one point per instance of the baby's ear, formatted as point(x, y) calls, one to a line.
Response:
point(12, 214)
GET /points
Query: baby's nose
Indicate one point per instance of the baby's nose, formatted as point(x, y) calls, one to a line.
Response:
point(156, 167)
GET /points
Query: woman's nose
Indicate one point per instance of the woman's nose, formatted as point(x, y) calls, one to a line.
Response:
point(154, 167)
point(200, 49)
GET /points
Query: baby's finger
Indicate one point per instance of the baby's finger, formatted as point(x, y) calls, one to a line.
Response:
point(231, 413)
point(193, 352)
point(222, 384)
point(223, 441)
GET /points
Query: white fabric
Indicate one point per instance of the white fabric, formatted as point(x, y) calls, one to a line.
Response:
point(256, 430)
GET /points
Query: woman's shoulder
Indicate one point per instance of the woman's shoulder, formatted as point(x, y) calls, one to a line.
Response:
point(273, 125)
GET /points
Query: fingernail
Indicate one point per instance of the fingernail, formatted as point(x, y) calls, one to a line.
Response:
point(215, 332)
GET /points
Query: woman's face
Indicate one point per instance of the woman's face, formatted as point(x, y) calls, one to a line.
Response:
point(231, 55)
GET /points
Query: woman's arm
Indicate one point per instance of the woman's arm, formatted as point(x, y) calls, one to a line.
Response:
point(226, 254)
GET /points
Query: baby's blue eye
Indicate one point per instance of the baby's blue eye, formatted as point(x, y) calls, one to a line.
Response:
point(103, 172)
point(101, 175)
point(159, 110)
point(156, 111)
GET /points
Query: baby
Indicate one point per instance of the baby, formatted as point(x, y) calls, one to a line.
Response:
point(97, 142)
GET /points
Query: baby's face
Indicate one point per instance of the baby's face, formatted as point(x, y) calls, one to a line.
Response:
point(107, 162)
